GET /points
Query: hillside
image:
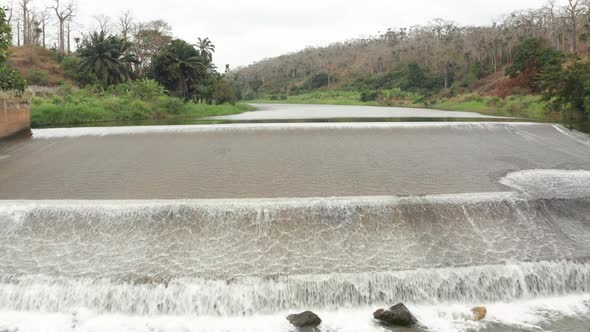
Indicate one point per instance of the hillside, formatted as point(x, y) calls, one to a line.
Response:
point(428, 59)
point(38, 66)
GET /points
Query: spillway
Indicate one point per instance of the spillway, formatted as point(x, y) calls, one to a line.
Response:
point(440, 216)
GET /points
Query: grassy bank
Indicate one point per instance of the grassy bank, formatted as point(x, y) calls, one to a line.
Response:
point(335, 97)
point(516, 106)
point(54, 112)
point(77, 107)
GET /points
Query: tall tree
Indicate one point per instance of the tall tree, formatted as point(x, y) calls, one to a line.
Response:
point(9, 78)
point(206, 48)
point(25, 11)
point(180, 68)
point(126, 24)
point(149, 39)
point(573, 11)
point(107, 57)
point(63, 14)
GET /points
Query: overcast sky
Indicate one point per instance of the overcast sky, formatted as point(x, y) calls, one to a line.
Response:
point(247, 31)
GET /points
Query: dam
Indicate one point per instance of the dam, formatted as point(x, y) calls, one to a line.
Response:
point(231, 227)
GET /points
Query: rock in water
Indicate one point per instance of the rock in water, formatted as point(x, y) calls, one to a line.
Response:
point(305, 319)
point(398, 315)
point(479, 313)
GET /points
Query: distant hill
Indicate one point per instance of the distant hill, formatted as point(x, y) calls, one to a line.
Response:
point(438, 56)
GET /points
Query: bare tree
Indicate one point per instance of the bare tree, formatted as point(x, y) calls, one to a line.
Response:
point(24, 6)
point(63, 14)
point(126, 24)
point(573, 10)
point(104, 23)
point(44, 19)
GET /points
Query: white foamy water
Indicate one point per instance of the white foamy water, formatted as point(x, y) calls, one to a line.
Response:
point(178, 129)
point(300, 112)
point(541, 314)
point(250, 296)
point(550, 183)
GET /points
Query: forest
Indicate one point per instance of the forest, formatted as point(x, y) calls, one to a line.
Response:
point(540, 52)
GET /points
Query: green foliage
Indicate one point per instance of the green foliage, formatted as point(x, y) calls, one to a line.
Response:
point(369, 96)
point(170, 105)
point(519, 106)
point(534, 62)
point(145, 89)
point(71, 67)
point(38, 77)
point(10, 79)
point(255, 85)
point(318, 81)
point(130, 101)
point(225, 92)
point(108, 58)
point(568, 88)
point(475, 72)
point(410, 77)
point(5, 36)
point(416, 78)
point(181, 69)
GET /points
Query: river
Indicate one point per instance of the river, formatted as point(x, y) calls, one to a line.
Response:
point(232, 226)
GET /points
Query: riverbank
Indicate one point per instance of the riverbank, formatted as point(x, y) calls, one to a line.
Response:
point(80, 107)
point(530, 106)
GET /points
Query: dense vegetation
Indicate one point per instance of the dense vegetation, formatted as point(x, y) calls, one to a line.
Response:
point(138, 74)
point(135, 100)
point(10, 79)
point(537, 52)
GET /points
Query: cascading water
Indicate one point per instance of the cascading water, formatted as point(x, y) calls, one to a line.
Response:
point(243, 264)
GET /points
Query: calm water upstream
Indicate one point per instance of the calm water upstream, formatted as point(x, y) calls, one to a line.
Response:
point(232, 226)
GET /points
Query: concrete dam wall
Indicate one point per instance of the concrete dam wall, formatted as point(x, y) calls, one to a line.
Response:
point(15, 117)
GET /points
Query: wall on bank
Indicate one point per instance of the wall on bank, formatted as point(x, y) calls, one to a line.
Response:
point(15, 117)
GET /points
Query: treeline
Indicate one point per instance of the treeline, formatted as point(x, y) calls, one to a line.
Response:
point(429, 58)
point(116, 53)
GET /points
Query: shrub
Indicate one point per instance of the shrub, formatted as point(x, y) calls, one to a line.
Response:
point(38, 77)
point(170, 105)
point(369, 96)
point(492, 102)
point(147, 89)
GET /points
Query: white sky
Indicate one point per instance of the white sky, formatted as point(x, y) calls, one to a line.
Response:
point(247, 31)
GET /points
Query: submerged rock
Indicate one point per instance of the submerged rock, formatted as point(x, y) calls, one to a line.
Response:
point(479, 313)
point(305, 319)
point(398, 315)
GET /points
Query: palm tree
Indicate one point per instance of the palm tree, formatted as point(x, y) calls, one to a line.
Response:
point(179, 67)
point(206, 48)
point(107, 57)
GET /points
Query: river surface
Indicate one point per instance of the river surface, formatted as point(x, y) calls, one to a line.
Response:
point(231, 227)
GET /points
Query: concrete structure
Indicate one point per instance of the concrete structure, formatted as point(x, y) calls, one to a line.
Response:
point(15, 117)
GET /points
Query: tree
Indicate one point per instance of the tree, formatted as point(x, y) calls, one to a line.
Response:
point(104, 23)
point(532, 61)
point(180, 68)
point(106, 57)
point(24, 5)
point(126, 24)
point(43, 20)
point(573, 11)
point(206, 48)
point(225, 91)
point(568, 87)
point(10, 79)
point(63, 14)
point(149, 39)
